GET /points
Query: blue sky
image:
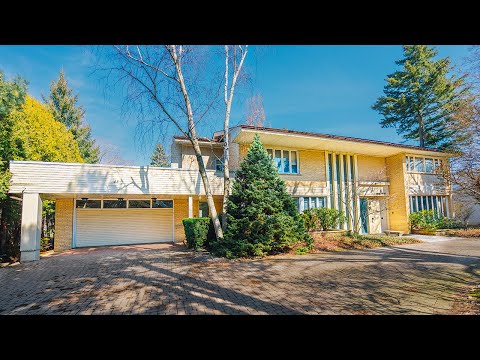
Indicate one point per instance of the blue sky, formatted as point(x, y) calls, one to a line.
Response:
point(327, 89)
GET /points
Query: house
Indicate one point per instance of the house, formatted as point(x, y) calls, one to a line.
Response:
point(377, 184)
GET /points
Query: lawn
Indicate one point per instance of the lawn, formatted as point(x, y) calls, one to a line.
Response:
point(339, 242)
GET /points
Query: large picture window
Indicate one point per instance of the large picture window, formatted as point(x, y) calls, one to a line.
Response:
point(123, 204)
point(313, 202)
point(438, 203)
point(286, 161)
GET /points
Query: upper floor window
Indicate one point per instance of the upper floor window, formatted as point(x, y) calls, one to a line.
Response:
point(285, 160)
point(219, 164)
point(423, 164)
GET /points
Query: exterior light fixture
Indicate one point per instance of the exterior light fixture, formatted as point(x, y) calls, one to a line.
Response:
point(84, 199)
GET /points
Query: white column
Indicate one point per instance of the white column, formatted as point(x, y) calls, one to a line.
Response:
point(350, 209)
point(190, 206)
point(301, 204)
point(31, 227)
point(357, 197)
point(342, 194)
point(327, 176)
point(334, 171)
point(447, 205)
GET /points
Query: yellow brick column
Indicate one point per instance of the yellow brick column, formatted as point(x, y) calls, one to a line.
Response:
point(398, 202)
point(180, 212)
point(63, 224)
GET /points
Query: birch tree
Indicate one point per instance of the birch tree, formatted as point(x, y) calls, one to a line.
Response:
point(234, 58)
point(164, 83)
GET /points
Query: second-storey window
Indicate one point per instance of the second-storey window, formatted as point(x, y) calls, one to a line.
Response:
point(286, 161)
point(219, 164)
point(423, 164)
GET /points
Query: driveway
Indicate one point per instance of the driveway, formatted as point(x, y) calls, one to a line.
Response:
point(411, 279)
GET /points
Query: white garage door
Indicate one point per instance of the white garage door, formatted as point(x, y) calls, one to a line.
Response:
point(123, 226)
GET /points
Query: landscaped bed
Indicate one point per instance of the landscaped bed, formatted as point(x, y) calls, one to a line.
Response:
point(340, 242)
point(466, 233)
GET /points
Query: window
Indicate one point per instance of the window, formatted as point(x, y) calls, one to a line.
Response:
point(219, 164)
point(202, 209)
point(437, 203)
point(114, 204)
point(422, 164)
point(428, 165)
point(138, 204)
point(88, 204)
point(314, 202)
point(160, 204)
point(286, 161)
point(419, 165)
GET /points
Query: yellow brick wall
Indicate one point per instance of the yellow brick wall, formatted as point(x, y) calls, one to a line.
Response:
point(398, 201)
point(180, 212)
point(371, 168)
point(63, 224)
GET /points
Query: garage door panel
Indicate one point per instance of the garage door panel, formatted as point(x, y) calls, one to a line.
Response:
point(123, 227)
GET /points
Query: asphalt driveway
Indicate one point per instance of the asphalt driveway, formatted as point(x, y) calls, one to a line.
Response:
point(411, 279)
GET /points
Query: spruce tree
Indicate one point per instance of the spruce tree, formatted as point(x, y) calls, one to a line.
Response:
point(262, 216)
point(421, 99)
point(63, 105)
point(159, 157)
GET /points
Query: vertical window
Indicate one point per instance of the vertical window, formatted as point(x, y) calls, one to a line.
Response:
point(424, 203)
point(419, 165)
point(352, 169)
point(306, 203)
point(202, 209)
point(219, 164)
point(314, 202)
point(286, 161)
point(278, 159)
point(331, 177)
point(294, 162)
point(412, 167)
point(429, 165)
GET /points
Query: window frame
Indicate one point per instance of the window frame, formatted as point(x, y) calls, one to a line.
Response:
point(411, 164)
point(219, 161)
point(282, 165)
point(127, 204)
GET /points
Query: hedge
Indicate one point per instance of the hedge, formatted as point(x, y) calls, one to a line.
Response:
point(196, 231)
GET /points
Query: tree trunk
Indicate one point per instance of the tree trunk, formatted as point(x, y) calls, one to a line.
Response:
point(226, 178)
point(208, 192)
point(196, 147)
point(421, 130)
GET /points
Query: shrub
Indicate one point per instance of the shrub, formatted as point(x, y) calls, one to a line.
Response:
point(46, 244)
point(196, 231)
point(310, 219)
point(446, 223)
point(211, 233)
point(424, 220)
point(262, 216)
point(430, 220)
point(329, 218)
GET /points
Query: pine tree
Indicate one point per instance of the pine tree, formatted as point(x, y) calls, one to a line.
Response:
point(420, 99)
point(63, 104)
point(159, 157)
point(262, 216)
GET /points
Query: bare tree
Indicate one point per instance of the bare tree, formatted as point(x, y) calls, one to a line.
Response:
point(110, 154)
point(165, 84)
point(255, 111)
point(234, 58)
point(463, 171)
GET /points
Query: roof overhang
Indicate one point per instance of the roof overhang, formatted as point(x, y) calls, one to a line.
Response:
point(276, 137)
point(201, 142)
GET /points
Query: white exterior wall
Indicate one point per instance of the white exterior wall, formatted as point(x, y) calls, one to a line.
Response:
point(73, 178)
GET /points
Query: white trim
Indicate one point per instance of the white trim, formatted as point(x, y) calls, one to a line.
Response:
point(282, 166)
point(358, 215)
point(327, 176)
point(74, 225)
point(190, 206)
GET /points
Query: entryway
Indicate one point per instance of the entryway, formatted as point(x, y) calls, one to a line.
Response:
point(373, 215)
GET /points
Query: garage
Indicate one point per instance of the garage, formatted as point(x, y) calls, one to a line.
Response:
point(123, 222)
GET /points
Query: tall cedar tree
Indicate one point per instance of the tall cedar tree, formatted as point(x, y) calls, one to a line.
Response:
point(159, 157)
point(262, 216)
point(420, 99)
point(63, 104)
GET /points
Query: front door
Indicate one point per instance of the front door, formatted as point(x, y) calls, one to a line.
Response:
point(374, 216)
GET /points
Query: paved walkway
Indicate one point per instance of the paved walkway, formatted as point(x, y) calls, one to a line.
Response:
point(411, 279)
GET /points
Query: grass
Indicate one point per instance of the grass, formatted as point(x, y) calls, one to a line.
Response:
point(467, 233)
point(338, 242)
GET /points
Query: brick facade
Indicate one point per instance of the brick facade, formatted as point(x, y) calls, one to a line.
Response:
point(63, 224)
point(398, 201)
